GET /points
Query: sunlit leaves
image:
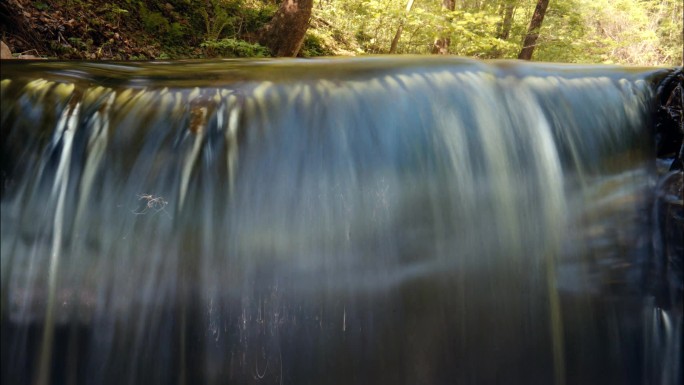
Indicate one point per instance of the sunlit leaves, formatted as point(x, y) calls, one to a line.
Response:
point(591, 31)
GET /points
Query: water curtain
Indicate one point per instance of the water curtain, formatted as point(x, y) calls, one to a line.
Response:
point(360, 221)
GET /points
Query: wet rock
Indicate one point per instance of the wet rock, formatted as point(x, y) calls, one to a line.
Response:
point(5, 52)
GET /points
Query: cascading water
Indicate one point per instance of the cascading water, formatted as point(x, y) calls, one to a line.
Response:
point(365, 221)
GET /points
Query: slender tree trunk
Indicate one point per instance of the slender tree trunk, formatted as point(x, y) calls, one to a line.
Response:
point(441, 45)
point(506, 19)
point(400, 29)
point(503, 27)
point(284, 34)
point(533, 30)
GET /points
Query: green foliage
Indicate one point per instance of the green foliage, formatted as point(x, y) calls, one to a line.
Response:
point(252, 18)
point(613, 31)
point(636, 32)
point(315, 45)
point(219, 18)
point(42, 6)
point(81, 45)
point(156, 23)
point(563, 36)
point(112, 12)
point(633, 32)
point(668, 17)
point(61, 49)
point(229, 47)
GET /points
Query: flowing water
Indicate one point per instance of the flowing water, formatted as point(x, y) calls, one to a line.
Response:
point(361, 221)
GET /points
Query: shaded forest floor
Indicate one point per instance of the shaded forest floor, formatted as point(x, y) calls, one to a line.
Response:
point(72, 31)
point(139, 30)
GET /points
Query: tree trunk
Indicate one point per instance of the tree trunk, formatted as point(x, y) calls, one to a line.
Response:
point(397, 36)
point(284, 34)
point(400, 29)
point(441, 45)
point(533, 30)
point(506, 19)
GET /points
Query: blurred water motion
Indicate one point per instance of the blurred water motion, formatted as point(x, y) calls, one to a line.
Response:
point(365, 221)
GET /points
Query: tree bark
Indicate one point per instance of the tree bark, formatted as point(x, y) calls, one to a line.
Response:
point(441, 45)
point(284, 34)
point(506, 19)
point(400, 29)
point(533, 30)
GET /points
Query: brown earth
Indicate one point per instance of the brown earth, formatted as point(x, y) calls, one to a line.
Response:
point(77, 31)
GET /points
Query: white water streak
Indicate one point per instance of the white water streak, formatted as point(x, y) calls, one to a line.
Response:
point(59, 189)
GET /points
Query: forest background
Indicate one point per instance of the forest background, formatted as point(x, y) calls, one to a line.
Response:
point(630, 32)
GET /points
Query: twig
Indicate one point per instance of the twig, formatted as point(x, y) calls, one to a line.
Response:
point(154, 203)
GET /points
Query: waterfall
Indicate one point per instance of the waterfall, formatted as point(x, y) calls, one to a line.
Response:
point(359, 221)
